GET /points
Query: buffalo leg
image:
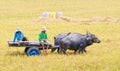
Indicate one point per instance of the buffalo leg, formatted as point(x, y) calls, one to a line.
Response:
point(64, 51)
point(60, 50)
point(80, 49)
point(75, 51)
point(84, 50)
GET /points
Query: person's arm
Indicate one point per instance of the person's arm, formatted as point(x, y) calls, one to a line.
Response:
point(15, 36)
point(40, 37)
point(46, 37)
point(22, 34)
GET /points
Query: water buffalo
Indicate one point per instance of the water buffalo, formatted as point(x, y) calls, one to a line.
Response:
point(76, 41)
point(57, 40)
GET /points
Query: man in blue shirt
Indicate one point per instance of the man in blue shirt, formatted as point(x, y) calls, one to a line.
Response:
point(18, 36)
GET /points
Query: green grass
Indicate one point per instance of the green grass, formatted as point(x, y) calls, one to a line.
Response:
point(99, 57)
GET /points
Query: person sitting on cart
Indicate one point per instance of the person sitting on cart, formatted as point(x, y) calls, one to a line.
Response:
point(43, 39)
point(19, 36)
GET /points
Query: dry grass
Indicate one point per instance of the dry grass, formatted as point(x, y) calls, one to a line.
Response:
point(99, 57)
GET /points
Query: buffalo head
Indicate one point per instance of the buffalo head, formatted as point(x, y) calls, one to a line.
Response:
point(92, 38)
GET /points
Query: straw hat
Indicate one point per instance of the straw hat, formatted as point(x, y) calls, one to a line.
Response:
point(18, 30)
point(44, 29)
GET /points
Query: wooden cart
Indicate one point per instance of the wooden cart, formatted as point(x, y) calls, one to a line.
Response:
point(31, 47)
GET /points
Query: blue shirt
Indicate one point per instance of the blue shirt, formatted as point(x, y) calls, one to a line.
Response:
point(18, 37)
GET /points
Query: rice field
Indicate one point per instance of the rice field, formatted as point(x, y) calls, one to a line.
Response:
point(20, 14)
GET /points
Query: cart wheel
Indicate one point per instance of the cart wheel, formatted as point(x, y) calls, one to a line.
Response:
point(33, 51)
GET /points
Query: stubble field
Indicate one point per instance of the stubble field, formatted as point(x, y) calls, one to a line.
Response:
point(99, 57)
